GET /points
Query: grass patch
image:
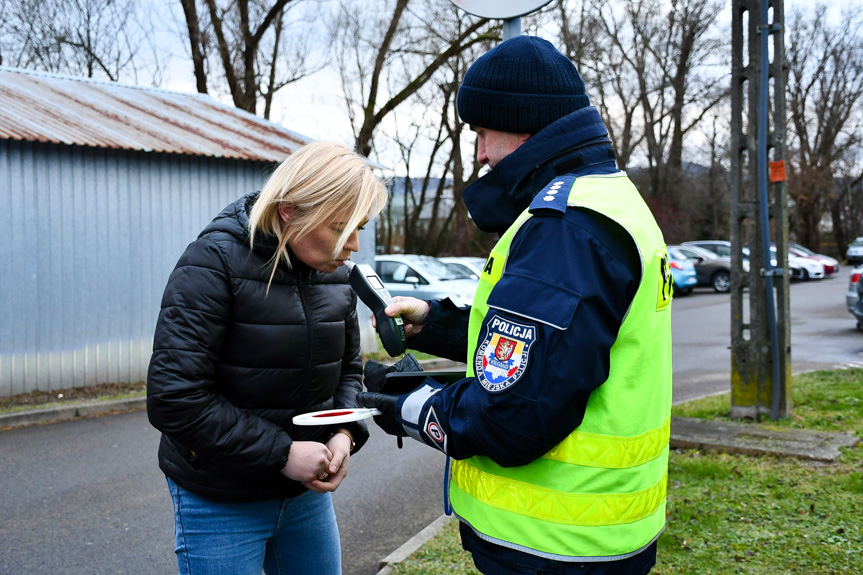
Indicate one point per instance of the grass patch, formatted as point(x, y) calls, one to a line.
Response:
point(382, 356)
point(743, 514)
point(442, 554)
point(822, 401)
point(53, 398)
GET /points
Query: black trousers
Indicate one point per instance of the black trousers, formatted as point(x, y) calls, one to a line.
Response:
point(492, 559)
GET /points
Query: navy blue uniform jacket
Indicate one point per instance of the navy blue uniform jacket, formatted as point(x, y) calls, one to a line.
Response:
point(571, 275)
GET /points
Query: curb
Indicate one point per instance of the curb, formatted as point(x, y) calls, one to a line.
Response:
point(411, 545)
point(95, 408)
point(66, 413)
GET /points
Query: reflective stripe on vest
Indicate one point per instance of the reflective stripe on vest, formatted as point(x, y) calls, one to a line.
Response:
point(600, 493)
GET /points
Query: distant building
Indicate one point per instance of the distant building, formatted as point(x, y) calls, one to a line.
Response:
point(104, 185)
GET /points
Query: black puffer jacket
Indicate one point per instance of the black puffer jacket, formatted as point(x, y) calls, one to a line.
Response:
point(232, 365)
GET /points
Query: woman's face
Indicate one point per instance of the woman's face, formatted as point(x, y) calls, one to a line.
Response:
point(315, 249)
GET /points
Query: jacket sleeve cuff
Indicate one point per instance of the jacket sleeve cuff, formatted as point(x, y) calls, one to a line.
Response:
point(444, 332)
point(281, 452)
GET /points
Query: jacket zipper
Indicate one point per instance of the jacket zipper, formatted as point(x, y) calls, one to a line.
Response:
point(302, 285)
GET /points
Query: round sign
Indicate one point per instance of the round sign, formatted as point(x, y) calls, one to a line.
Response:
point(343, 415)
point(501, 9)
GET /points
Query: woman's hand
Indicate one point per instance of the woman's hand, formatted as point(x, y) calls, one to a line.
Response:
point(307, 461)
point(340, 446)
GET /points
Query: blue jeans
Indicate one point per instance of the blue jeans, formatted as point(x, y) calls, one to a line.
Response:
point(296, 535)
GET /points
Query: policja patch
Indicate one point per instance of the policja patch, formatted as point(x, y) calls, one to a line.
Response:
point(502, 356)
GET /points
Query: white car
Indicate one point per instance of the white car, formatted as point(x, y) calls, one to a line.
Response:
point(470, 265)
point(799, 268)
point(831, 265)
point(424, 277)
point(809, 269)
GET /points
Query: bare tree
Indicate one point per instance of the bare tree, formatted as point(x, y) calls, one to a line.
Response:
point(250, 48)
point(674, 98)
point(385, 57)
point(603, 53)
point(654, 70)
point(92, 38)
point(710, 191)
point(846, 210)
point(825, 93)
point(431, 217)
point(198, 43)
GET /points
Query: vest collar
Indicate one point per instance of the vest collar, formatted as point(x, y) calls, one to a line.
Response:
point(575, 144)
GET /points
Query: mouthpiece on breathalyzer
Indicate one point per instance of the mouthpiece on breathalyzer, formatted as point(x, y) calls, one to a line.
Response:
point(372, 292)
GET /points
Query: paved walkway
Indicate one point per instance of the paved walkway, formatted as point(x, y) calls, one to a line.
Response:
point(754, 439)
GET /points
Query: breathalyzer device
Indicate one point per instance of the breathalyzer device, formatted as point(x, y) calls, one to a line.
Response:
point(372, 292)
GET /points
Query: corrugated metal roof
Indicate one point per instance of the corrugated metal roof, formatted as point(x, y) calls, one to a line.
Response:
point(40, 107)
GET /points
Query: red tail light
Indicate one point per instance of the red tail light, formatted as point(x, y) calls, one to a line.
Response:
point(854, 277)
point(679, 266)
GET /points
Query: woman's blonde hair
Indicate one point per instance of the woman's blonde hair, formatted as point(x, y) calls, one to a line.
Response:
point(320, 180)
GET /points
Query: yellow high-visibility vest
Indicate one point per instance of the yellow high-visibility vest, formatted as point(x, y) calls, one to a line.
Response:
point(599, 494)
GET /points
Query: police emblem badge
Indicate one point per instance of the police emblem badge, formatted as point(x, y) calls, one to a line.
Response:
point(502, 356)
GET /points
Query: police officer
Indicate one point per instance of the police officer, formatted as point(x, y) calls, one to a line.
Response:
point(559, 434)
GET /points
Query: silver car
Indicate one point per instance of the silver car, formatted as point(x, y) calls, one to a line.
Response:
point(854, 255)
point(424, 277)
point(851, 292)
point(470, 265)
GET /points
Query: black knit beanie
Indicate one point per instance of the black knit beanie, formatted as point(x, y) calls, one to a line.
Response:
point(521, 85)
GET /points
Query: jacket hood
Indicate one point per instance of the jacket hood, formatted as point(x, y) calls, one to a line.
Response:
point(234, 220)
point(576, 143)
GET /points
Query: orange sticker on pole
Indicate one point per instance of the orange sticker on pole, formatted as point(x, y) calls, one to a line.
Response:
point(777, 171)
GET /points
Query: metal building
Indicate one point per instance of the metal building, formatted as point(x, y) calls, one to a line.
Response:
point(103, 186)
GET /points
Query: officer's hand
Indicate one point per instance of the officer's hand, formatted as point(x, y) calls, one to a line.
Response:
point(413, 311)
point(388, 420)
point(374, 373)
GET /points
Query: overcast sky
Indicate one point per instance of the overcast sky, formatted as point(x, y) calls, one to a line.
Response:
point(314, 106)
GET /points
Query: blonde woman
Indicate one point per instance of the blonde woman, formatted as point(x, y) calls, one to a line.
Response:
point(258, 324)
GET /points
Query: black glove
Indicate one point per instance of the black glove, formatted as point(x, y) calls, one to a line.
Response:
point(387, 420)
point(374, 373)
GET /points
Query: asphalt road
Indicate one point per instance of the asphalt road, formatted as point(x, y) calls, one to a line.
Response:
point(87, 497)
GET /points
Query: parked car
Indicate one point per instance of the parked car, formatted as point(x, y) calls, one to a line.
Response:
point(831, 265)
point(800, 267)
point(471, 266)
point(710, 269)
point(683, 275)
point(424, 277)
point(719, 247)
point(851, 292)
point(810, 269)
point(854, 255)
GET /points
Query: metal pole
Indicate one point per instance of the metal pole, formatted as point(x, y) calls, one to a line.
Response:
point(511, 28)
point(764, 29)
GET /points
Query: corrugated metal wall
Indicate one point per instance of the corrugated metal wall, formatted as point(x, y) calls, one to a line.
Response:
point(88, 238)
